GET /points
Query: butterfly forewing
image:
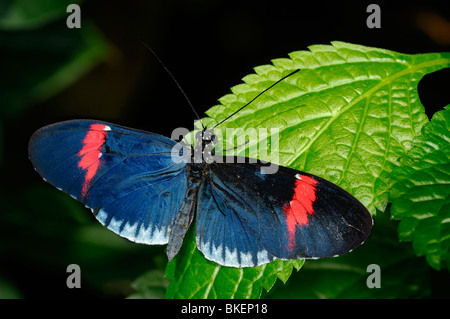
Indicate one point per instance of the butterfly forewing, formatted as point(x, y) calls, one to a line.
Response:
point(126, 177)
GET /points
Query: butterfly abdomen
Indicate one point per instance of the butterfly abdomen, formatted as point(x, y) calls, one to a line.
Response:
point(186, 213)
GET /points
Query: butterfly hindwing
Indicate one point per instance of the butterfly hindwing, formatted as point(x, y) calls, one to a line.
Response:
point(223, 234)
point(126, 177)
point(247, 218)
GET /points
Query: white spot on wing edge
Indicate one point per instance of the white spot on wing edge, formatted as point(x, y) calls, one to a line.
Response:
point(150, 235)
point(129, 229)
point(216, 255)
point(107, 128)
point(246, 258)
point(297, 176)
point(262, 257)
point(101, 216)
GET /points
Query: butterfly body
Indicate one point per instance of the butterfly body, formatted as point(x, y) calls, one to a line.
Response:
point(186, 213)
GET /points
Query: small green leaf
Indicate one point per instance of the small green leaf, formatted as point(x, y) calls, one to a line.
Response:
point(421, 195)
point(348, 116)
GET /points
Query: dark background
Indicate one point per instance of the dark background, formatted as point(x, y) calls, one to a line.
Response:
point(208, 46)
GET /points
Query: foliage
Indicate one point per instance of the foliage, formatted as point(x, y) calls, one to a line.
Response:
point(421, 194)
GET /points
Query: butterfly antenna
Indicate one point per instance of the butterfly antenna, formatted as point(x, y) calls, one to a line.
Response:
point(261, 93)
point(173, 78)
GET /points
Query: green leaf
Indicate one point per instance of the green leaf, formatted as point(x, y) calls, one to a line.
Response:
point(347, 116)
point(27, 14)
point(421, 195)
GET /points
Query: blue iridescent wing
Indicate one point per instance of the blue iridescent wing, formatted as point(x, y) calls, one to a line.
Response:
point(246, 218)
point(127, 177)
point(222, 235)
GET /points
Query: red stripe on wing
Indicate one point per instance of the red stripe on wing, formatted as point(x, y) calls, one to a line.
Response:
point(90, 153)
point(298, 210)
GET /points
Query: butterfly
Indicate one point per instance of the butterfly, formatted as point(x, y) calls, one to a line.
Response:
point(148, 188)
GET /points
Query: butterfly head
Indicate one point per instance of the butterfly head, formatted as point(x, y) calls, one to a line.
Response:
point(205, 137)
point(209, 136)
point(203, 151)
